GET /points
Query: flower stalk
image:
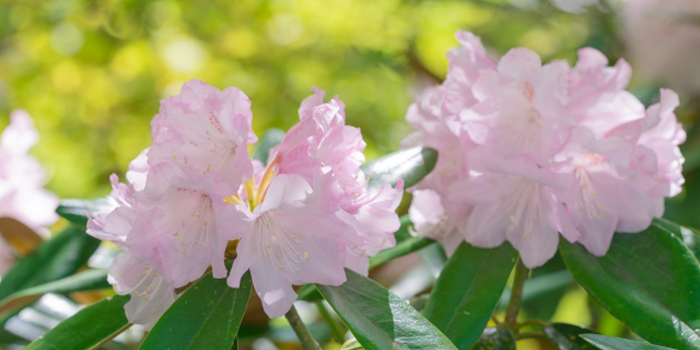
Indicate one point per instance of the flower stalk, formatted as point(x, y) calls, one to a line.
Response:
point(336, 329)
point(307, 340)
point(516, 293)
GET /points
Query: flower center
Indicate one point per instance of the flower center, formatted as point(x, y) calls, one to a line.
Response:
point(589, 197)
point(283, 248)
point(525, 208)
point(255, 194)
point(526, 127)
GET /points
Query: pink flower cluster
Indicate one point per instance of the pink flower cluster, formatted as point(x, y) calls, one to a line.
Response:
point(22, 179)
point(528, 151)
point(196, 195)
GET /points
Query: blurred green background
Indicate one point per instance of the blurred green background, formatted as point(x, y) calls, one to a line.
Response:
point(91, 73)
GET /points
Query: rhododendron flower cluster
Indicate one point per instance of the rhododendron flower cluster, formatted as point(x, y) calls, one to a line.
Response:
point(22, 195)
point(196, 195)
point(530, 150)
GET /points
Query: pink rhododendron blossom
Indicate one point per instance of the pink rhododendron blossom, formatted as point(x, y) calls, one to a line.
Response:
point(205, 130)
point(22, 195)
point(151, 294)
point(528, 151)
point(22, 178)
point(301, 218)
point(294, 236)
point(309, 213)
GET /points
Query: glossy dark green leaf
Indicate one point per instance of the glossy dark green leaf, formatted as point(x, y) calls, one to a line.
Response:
point(82, 281)
point(649, 281)
point(690, 237)
point(235, 344)
point(87, 329)
point(379, 319)
point(77, 210)
point(410, 164)
point(495, 338)
point(206, 316)
point(56, 258)
point(467, 291)
point(566, 336)
point(611, 343)
point(9, 338)
point(271, 138)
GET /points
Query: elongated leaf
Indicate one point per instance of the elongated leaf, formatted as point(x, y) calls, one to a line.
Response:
point(410, 164)
point(493, 338)
point(76, 210)
point(648, 280)
point(86, 280)
point(271, 138)
point(352, 344)
point(379, 319)
point(611, 343)
point(56, 258)
point(88, 328)
point(206, 316)
point(689, 236)
point(467, 291)
point(402, 248)
point(566, 336)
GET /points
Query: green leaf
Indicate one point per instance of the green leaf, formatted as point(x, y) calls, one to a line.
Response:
point(76, 210)
point(271, 138)
point(352, 344)
point(611, 343)
point(206, 316)
point(649, 281)
point(689, 236)
point(82, 281)
point(87, 329)
point(56, 258)
point(495, 338)
point(467, 291)
point(379, 319)
point(411, 165)
point(403, 231)
point(402, 248)
point(566, 336)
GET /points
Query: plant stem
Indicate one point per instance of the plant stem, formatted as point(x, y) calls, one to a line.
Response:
point(516, 293)
point(336, 329)
point(307, 340)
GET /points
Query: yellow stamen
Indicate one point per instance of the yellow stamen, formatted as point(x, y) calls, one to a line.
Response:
point(234, 199)
point(266, 179)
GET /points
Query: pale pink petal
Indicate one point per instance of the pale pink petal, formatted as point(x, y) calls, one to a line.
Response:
point(20, 135)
